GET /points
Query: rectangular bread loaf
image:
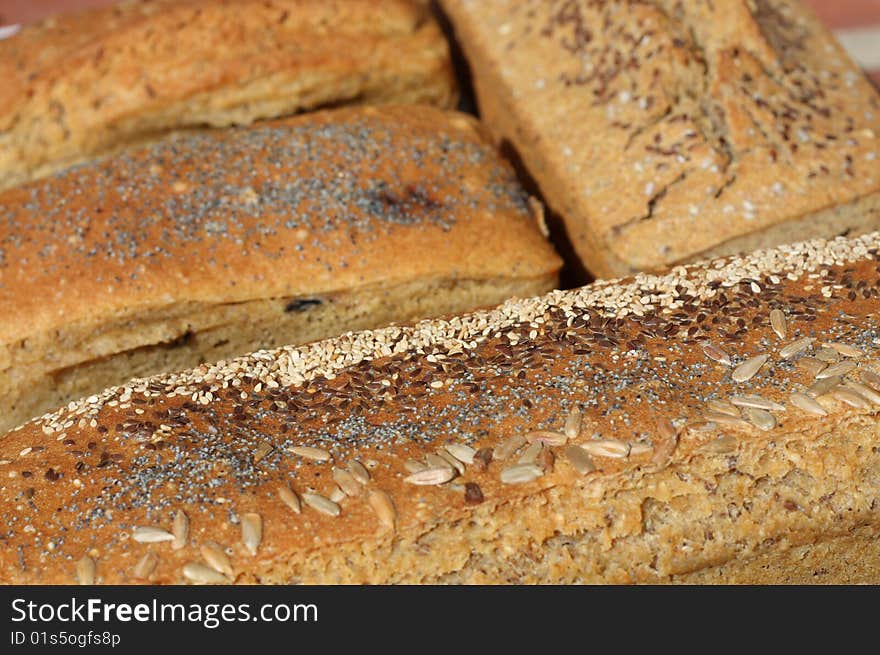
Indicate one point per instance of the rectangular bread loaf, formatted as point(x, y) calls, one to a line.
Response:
point(717, 423)
point(665, 131)
point(78, 85)
point(210, 245)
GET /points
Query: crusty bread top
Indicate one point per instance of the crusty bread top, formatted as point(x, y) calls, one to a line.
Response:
point(662, 129)
point(80, 84)
point(327, 201)
point(207, 455)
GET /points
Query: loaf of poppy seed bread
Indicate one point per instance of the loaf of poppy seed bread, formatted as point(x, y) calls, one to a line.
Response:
point(210, 245)
point(79, 85)
point(665, 131)
point(718, 423)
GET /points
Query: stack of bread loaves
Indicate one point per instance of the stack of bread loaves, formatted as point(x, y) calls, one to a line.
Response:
point(214, 244)
point(713, 421)
point(713, 424)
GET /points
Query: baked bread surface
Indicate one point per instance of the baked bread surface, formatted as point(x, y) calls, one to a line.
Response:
point(79, 85)
point(714, 423)
point(665, 131)
point(210, 245)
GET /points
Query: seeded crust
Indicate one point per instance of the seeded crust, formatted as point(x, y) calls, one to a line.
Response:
point(215, 244)
point(667, 131)
point(402, 454)
point(76, 86)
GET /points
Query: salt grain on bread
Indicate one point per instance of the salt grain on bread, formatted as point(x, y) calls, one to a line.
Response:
point(646, 491)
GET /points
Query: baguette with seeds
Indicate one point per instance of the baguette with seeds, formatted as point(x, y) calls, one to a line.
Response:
point(664, 131)
point(212, 245)
point(634, 486)
point(80, 85)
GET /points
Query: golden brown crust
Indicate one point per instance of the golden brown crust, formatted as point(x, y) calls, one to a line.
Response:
point(662, 130)
point(329, 202)
point(78, 85)
point(699, 455)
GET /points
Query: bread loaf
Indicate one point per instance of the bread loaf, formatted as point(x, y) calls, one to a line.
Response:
point(717, 423)
point(666, 131)
point(80, 85)
point(212, 245)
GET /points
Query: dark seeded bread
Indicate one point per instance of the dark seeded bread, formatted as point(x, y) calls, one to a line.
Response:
point(665, 131)
point(212, 245)
point(715, 423)
point(79, 85)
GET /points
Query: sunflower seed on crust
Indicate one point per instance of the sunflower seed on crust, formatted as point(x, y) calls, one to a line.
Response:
point(811, 365)
point(721, 445)
point(151, 535)
point(725, 419)
point(431, 476)
point(807, 404)
point(573, 424)
point(521, 473)
point(823, 386)
point(547, 437)
point(844, 349)
point(382, 505)
point(778, 323)
point(827, 355)
point(347, 482)
point(607, 448)
point(838, 369)
point(85, 571)
point(288, 497)
point(723, 406)
point(199, 573)
point(747, 370)
point(461, 452)
point(414, 466)
point(450, 461)
point(864, 391)
point(849, 397)
point(716, 354)
point(871, 379)
point(795, 347)
point(321, 503)
point(312, 453)
point(251, 531)
point(145, 566)
point(336, 494)
point(180, 529)
point(359, 471)
point(636, 449)
point(580, 459)
point(508, 447)
point(760, 418)
point(702, 426)
point(530, 454)
point(758, 402)
point(438, 461)
point(216, 557)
